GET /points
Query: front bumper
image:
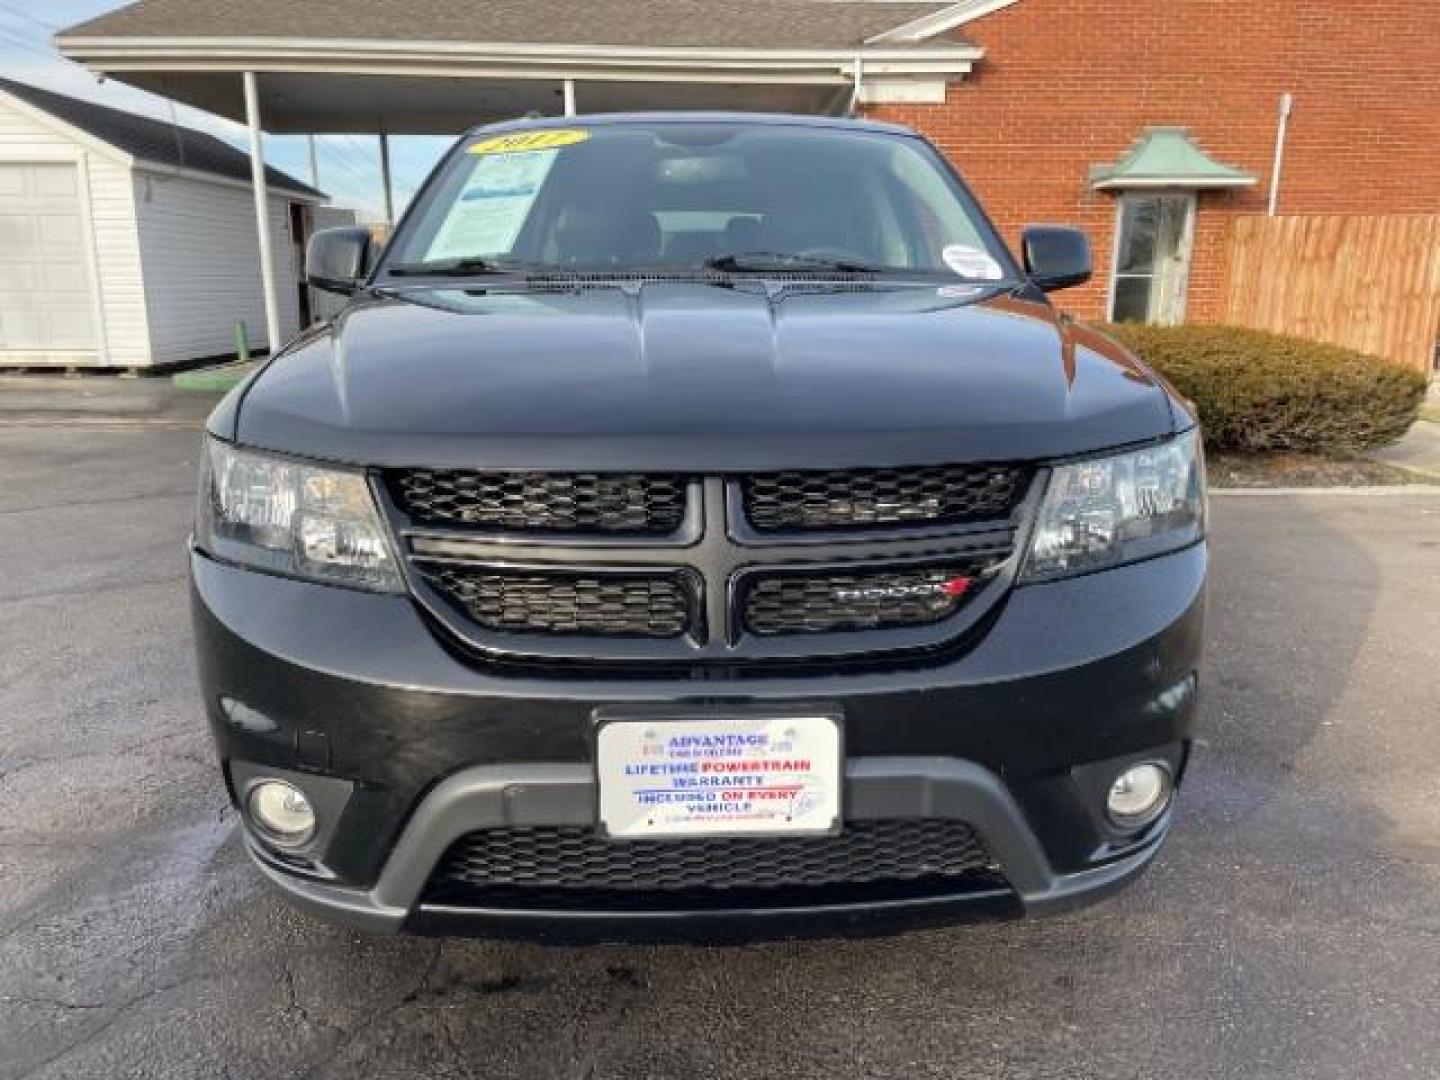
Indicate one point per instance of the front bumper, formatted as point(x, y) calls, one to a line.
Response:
point(356, 693)
point(492, 797)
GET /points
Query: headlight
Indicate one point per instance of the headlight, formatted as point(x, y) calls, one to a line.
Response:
point(292, 518)
point(1117, 509)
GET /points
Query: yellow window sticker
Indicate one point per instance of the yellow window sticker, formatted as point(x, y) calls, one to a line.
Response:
point(520, 142)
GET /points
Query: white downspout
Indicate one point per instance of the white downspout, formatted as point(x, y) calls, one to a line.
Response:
point(859, 84)
point(262, 212)
point(1287, 106)
point(569, 97)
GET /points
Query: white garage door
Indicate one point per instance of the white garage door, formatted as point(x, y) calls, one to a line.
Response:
point(44, 277)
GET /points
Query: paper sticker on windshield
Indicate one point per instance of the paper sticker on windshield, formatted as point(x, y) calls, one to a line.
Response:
point(519, 142)
point(491, 208)
point(972, 262)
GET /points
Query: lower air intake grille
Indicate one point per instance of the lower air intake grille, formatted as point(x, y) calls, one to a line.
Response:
point(606, 605)
point(576, 858)
point(542, 502)
point(851, 498)
point(817, 603)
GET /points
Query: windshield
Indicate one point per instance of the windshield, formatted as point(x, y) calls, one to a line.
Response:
point(676, 196)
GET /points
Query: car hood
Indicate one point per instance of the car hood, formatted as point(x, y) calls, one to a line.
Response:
point(699, 377)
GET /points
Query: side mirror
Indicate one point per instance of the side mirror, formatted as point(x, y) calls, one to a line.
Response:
point(1056, 257)
point(336, 260)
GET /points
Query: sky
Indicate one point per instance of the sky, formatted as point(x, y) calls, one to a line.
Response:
point(349, 165)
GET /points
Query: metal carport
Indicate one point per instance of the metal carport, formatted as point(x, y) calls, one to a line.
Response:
point(443, 66)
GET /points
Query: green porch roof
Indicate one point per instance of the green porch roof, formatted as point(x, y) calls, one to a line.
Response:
point(1167, 157)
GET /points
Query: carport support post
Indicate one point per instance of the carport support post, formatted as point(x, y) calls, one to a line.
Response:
point(262, 211)
point(569, 97)
point(385, 180)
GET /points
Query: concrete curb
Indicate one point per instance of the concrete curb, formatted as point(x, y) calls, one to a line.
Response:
point(36, 399)
point(101, 423)
point(1422, 488)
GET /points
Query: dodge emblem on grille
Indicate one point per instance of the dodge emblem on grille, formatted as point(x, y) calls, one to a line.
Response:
point(952, 588)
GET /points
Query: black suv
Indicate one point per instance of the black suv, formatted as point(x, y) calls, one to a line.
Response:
point(699, 526)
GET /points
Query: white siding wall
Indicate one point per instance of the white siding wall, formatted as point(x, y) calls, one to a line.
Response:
point(117, 254)
point(202, 265)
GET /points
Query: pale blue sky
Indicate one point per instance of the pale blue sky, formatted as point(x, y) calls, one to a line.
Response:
point(349, 164)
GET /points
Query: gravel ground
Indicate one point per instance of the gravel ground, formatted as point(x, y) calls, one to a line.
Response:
point(1290, 928)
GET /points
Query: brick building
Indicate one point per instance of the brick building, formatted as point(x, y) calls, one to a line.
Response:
point(1162, 114)
point(1068, 84)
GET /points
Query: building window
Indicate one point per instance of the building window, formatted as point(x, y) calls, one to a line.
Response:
point(1153, 236)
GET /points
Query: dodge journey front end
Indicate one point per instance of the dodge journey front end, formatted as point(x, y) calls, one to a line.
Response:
point(699, 526)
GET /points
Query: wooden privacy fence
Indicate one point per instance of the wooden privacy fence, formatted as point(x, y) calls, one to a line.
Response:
point(1369, 283)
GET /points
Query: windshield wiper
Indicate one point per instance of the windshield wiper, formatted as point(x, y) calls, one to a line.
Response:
point(740, 262)
point(463, 267)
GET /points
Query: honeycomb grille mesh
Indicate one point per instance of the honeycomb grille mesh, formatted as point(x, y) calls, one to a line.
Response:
point(639, 503)
point(827, 602)
point(576, 857)
point(858, 498)
point(614, 605)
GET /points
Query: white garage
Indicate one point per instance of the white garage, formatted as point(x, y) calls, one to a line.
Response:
point(127, 242)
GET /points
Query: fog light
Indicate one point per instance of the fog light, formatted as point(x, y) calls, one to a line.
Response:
point(1139, 795)
point(281, 812)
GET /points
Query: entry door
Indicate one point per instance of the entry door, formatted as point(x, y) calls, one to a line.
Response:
point(45, 298)
point(1152, 258)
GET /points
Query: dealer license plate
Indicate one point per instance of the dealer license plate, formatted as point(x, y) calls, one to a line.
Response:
point(720, 776)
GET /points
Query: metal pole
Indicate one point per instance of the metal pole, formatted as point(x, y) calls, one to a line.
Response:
point(1287, 106)
point(859, 85)
point(385, 180)
point(314, 163)
point(262, 212)
point(569, 97)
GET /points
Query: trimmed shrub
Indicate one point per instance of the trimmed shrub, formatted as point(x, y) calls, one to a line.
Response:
point(1262, 392)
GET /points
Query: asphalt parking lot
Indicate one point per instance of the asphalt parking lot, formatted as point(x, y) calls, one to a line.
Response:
point(1290, 929)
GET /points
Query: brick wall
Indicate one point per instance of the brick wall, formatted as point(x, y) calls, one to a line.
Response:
point(1070, 83)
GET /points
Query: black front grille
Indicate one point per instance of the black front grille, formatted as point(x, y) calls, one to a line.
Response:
point(638, 503)
point(706, 574)
point(614, 605)
point(575, 859)
point(817, 603)
point(860, 498)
